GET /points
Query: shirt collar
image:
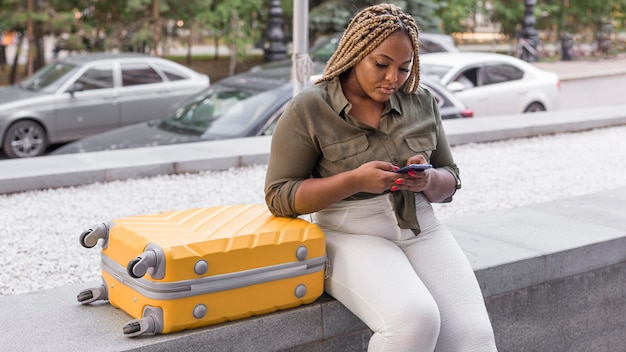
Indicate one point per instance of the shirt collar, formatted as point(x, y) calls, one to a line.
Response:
point(340, 103)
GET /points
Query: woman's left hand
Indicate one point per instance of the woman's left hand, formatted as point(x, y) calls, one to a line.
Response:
point(414, 181)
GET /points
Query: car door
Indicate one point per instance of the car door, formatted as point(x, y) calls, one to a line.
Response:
point(145, 94)
point(502, 83)
point(473, 94)
point(88, 105)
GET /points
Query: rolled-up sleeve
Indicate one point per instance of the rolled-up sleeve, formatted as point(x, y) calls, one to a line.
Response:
point(292, 159)
point(442, 155)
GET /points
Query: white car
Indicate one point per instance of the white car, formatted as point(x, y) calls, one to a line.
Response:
point(494, 84)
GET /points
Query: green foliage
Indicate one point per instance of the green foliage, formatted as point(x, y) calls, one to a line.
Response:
point(570, 16)
point(457, 15)
point(509, 13)
point(127, 24)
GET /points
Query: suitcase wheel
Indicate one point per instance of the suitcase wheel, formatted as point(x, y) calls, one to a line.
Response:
point(89, 238)
point(151, 261)
point(150, 324)
point(131, 328)
point(130, 268)
point(139, 266)
point(137, 327)
point(92, 295)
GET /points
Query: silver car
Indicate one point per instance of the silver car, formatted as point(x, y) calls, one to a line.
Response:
point(81, 95)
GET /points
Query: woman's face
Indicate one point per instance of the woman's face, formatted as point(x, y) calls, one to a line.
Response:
point(385, 69)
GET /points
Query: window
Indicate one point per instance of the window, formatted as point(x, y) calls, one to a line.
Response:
point(139, 73)
point(469, 78)
point(499, 73)
point(171, 73)
point(97, 78)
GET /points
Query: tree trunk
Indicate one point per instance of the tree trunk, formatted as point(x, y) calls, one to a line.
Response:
point(234, 19)
point(155, 28)
point(31, 39)
point(189, 44)
point(18, 52)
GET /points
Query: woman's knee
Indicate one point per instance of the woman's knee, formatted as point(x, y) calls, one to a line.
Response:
point(469, 335)
point(417, 325)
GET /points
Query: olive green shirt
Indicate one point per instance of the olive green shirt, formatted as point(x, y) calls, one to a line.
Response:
point(317, 137)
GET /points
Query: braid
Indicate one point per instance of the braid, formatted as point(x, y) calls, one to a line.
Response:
point(365, 32)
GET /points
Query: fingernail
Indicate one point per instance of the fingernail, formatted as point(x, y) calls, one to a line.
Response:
point(399, 181)
point(394, 188)
point(412, 173)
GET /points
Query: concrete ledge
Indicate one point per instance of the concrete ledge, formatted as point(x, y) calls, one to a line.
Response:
point(75, 169)
point(553, 276)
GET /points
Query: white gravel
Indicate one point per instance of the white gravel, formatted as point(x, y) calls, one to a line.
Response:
point(39, 230)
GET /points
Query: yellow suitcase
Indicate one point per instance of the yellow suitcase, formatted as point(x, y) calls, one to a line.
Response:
point(191, 268)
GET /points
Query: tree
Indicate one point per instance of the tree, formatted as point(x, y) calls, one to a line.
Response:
point(568, 16)
point(458, 15)
point(238, 19)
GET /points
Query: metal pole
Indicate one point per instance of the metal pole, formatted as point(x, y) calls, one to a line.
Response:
point(301, 62)
point(277, 50)
point(529, 34)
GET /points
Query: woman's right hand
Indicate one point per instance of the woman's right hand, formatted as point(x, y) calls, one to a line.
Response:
point(375, 177)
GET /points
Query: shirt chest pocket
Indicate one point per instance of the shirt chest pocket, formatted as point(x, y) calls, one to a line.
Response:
point(421, 144)
point(345, 155)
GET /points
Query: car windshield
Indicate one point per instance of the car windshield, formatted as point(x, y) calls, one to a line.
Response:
point(221, 111)
point(49, 78)
point(434, 70)
point(324, 49)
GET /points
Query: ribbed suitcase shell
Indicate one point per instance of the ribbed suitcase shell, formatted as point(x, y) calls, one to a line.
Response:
point(221, 263)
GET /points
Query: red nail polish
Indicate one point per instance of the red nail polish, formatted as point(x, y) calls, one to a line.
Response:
point(399, 181)
point(394, 188)
point(412, 173)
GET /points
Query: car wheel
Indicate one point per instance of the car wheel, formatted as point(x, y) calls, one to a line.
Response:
point(25, 139)
point(535, 107)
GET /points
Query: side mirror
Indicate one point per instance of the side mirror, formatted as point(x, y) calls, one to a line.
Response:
point(76, 87)
point(455, 87)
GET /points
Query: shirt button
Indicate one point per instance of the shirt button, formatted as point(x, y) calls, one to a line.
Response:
point(385, 138)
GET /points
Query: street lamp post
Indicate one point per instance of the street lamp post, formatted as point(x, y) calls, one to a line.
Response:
point(277, 50)
point(529, 38)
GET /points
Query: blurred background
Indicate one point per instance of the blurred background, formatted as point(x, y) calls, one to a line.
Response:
point(224, 37)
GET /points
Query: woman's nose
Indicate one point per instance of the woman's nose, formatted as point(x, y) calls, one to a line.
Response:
point(391, 75)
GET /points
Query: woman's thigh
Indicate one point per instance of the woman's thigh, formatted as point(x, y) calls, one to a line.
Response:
point(373, 278)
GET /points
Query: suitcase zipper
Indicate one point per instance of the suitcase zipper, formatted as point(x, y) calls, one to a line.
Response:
point(209, 284)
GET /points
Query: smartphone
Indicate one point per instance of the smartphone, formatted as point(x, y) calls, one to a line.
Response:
point(414, 167)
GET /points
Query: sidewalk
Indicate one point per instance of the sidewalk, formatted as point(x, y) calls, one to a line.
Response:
point(583, 69)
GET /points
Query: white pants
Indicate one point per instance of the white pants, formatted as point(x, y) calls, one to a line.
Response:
point(416, 293)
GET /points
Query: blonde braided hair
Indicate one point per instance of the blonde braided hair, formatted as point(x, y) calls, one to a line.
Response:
point(365, 32)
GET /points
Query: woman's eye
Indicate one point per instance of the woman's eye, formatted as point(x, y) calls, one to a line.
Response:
point(378, 64)
point(405, 70)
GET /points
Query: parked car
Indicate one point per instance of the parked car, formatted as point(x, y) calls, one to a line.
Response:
point(494, 84)
point(244, 105)
point(81, 95)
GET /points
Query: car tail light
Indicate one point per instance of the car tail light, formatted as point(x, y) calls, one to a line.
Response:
point(558, 84)
point(467, 113)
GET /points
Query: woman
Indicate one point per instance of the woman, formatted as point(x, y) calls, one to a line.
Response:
point(333, 155)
